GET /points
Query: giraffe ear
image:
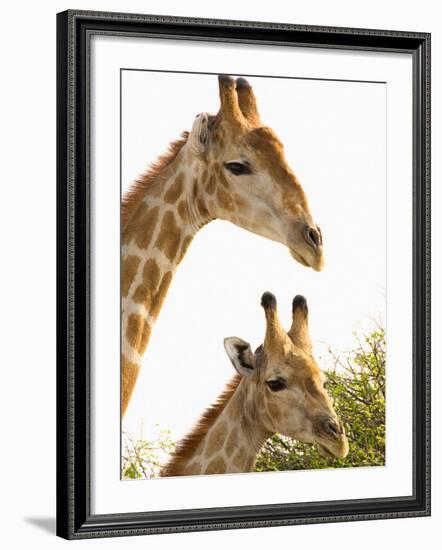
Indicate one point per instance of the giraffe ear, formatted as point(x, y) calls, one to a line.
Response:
point(241, 355)
point(199, 135)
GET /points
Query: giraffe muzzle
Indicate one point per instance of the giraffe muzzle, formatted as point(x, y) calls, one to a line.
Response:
point(305, 246)
point(331, 440)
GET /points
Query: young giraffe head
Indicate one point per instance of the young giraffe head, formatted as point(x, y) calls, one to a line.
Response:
point(284, 383)
point(247, 178)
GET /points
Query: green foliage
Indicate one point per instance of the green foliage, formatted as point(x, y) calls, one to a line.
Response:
point(356, 385)
point(143, 459)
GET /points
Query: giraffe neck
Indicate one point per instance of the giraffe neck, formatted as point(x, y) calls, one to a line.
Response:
point(229, 444)
point(168, 212)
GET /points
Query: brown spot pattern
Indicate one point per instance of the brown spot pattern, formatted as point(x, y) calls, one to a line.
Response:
point(129, 375)
point(182, 211)
point(240, 202)
point(216, 466)
point(169, 237)
point(135, 222)
point(223, 179)
point(216, 438)
point(145, 227)
point(151, 277)
point(231, 443)
point(145, 336)
point(192, 470)
point(129, 270)
point(195, 190)
point(137, 332)
point(211, 186)
point(158, 299)
point(240, 459)
point(202, 209)
point(274, 412)
point(174, 191)
point(225, 200)
point(186, 243)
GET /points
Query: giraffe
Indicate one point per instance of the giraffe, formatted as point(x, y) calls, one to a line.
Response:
point(277, 389)
point(229, 167)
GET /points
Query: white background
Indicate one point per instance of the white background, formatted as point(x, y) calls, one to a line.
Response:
point(28, 276)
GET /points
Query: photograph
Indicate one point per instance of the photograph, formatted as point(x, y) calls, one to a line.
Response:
point(253, 273)
point(236, 259)
point(243, 307)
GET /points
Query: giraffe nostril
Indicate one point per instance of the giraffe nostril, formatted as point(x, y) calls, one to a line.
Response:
point(313, 236)
point(333, 428)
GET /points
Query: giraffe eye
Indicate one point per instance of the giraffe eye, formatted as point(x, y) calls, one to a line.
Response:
point(238, 168)
point(276, 385)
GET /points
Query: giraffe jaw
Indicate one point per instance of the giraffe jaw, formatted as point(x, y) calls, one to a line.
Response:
point(317, 264)
point(323, 451)
point(336, 451)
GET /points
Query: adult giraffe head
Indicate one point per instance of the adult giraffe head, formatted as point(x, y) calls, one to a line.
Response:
point(229, 167)
point(286, 383)
point(249, 181)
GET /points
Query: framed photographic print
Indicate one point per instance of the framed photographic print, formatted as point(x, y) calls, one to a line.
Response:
point(243, 274)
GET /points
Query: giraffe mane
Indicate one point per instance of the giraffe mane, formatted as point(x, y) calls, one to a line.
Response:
point(187, 446)
point(135, 194)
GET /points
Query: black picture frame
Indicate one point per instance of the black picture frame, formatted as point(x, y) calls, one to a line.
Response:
point(74, 519)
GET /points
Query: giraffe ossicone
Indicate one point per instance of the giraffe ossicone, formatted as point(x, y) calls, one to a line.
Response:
point(277, 389)
point(230, 167)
